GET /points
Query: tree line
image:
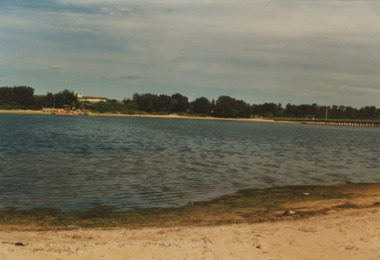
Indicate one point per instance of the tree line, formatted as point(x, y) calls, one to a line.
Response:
point(22, 97)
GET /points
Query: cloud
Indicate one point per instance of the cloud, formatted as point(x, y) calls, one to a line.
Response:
point(258, 50)
point(356, 90)
point(374, 5)
point(131, 77)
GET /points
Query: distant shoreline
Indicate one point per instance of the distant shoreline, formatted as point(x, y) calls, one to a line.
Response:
point(334, 122)
point(22, 112)
point(175, 116)
point(172, 116)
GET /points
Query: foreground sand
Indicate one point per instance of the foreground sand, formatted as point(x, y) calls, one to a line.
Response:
point(340, 234)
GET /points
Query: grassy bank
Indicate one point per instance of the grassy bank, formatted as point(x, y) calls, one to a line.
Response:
point(246, 206)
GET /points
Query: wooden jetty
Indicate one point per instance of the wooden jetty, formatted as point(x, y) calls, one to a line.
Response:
point(361, 123)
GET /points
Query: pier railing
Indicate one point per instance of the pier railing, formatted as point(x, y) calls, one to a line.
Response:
point(338, 122)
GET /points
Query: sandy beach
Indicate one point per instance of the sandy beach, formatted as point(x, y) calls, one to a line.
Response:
point(349, 228)
point(173, 116)
point(349, 234)
point(22, 112)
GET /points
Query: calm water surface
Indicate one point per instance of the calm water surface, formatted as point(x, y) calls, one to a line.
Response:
point(71, 162)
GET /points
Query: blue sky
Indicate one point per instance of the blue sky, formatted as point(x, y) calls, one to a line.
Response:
point(324, 51)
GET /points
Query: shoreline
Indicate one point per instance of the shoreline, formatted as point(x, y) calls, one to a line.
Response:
point(244, 206)
point(334, 122)
point(170, 116)
point(319, 227)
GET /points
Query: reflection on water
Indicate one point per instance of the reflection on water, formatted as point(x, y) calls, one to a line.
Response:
point(70, 162)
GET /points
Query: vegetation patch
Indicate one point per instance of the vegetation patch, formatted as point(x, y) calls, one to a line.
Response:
point(249, 206)
point(23, 97)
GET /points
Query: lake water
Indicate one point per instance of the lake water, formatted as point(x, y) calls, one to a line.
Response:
point(73, 162)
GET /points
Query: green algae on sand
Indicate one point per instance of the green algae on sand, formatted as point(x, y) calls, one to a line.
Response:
point(245, 206)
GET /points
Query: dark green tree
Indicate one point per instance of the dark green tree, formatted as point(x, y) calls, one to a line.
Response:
point(65, 98)
point(368, 112)
point(18, 96)
point(180, 103)
point(23, 96)
point(146, 102)
point(5, 96)
point(268, 110)
point(201, 106)
point(164, 104)
point(230, 107)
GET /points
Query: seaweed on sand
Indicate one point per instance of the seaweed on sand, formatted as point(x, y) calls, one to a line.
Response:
point(251, 205)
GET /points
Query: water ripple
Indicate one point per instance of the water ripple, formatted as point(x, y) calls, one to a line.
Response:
point(77, 162)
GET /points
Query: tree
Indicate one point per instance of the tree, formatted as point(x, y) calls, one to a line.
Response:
point(17, 96)
point(5, 96)
point(268, 110)
point(201, 105)
point(351, 113)
point(49, 99)
point(129, 106)
point(180, 103)
point(164, 104)
point(146, 102)
point(65, 98)
point(23, 96)
point(368, 112)
point(230, 107)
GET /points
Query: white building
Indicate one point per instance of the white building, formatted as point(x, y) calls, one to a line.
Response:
point(82, 98)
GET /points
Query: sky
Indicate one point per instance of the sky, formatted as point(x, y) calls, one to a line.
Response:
point(299, 52)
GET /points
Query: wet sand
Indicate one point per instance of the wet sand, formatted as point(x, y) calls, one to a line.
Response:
point(345, 228)
point(349, 234)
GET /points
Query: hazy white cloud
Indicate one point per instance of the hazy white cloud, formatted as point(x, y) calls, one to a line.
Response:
point(132, 77)
point(275, 51)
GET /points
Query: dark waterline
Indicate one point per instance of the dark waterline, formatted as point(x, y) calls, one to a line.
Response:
point(74, 163)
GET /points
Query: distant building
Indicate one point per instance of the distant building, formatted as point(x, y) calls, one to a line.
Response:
point(82, 98)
